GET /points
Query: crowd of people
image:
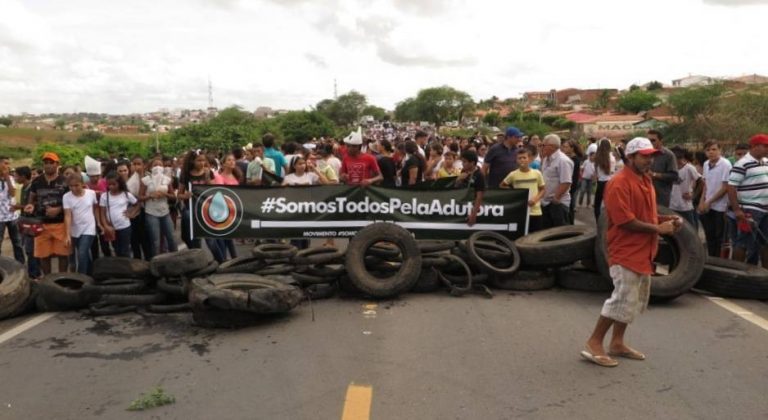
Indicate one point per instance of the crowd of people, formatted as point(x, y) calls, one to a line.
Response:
point(131, 207)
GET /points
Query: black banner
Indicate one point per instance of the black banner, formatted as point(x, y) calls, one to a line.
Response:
point(337, 211)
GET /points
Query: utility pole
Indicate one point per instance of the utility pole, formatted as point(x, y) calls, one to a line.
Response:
point(210, 93)
point(335, 90)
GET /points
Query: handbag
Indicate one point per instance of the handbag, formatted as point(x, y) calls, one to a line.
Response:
point(30, 226)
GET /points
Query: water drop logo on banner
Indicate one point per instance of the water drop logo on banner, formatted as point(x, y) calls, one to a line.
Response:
point(219, 210)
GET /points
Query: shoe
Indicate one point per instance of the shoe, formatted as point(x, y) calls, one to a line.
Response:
point(630, 354)
point(604, 361)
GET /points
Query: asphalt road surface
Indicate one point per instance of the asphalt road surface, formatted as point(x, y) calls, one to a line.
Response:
point(417, 357)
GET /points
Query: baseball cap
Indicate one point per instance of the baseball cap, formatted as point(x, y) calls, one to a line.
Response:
point(641, 145)
point(514, 132)
point(51, 156)
point(758, 139)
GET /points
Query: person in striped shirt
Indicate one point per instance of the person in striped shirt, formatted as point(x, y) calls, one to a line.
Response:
point(748, 197)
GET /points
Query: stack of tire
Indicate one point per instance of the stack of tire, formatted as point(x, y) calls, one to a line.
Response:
point(562, 255)
point(16, 294)
point(247, 290)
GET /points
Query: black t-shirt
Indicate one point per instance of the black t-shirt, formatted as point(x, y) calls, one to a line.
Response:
point(49, 194)
point(388, 171)
point(409, 163)
point(476, 181)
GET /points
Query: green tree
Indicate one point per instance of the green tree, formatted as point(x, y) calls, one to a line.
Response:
point(637, 101)
point(378, 113)
point(633, 87)
point(440, 104)
point(654, 85)
point(302, 126)
point(405, 110)
point(492, 119)
point(696, 102)
point(346, 110)
point(59, 124)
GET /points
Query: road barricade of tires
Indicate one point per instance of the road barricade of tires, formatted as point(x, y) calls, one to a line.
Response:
point(382, 261)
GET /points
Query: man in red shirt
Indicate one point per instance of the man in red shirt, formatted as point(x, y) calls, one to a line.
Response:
point(632, 238)
point(358, 168)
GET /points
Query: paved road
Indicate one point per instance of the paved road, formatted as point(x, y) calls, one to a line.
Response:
point(424, 357)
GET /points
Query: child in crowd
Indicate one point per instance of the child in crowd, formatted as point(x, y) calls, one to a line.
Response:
point(526, 178)
point(681, 197)
point(304, 174)
point(448, 169)
point(472, 177)
point(118, 207)
point(81, 209)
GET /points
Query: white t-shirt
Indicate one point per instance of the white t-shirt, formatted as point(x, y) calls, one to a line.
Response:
point(713, 181)
point(602, 176)
point(309, 178)
point(687, 180)
point(83, 221)
point(157, 207)
point(118, 205)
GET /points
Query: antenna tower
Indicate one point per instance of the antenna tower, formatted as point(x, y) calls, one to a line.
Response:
point(210, 93)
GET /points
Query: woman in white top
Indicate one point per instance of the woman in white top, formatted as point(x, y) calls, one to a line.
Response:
point(154, 191)
point(605, 167)
point(118, 207)
point(303, 173)
point(80, 213)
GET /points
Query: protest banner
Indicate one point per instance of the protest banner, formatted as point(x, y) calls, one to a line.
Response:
point(336, 211)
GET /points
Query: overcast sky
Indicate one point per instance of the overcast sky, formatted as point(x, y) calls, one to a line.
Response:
point(139, 56)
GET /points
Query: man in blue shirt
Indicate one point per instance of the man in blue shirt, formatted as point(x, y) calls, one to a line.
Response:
point(270, 152)
point(501, 158)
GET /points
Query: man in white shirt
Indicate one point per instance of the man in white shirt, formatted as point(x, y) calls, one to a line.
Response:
point(557, 169)
point(714, 200)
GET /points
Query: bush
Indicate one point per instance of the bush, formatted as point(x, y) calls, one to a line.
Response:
point(68, 154)
point(90, 137)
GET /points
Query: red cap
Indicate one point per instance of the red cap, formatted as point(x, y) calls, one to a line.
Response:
point(52, 156)
point(758, 139)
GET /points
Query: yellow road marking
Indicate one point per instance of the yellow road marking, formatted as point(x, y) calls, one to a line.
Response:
point(357, 403)
point(738, 310)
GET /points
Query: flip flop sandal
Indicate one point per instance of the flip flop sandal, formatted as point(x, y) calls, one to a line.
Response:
point(604, 361)
point(631, 354)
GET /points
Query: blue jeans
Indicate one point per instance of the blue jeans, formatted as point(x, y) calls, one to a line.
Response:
point(15, 236)
point(122, 242)
point(752, 241)
point(157, 227)
point(33, 264)
point(218, 249)
point(81, 248)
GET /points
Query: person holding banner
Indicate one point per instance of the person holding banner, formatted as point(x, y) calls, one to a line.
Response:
point(193, 172)
point(472, 177)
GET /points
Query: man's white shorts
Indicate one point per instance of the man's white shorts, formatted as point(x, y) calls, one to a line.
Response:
point(631, 292)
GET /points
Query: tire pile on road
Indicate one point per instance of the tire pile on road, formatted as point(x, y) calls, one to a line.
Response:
point(382, 261)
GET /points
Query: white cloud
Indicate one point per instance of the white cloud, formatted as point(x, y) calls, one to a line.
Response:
point(87, 55)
